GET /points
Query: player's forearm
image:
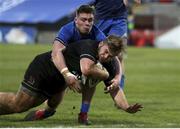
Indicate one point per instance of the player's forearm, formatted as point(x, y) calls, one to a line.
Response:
point(97, 72)
point(57, 55)
point(58, 60)
point(118, 68)
point(120, 100)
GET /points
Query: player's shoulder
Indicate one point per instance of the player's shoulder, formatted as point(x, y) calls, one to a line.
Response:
point(69, 26)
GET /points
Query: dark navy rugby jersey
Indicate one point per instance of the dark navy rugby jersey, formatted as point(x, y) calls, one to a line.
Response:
point(69, 33)
point(86, 49)
point(72, 55)
point(106, 9)
point(75, 51)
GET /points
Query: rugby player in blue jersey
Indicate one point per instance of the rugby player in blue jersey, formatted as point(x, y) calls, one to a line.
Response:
point(111, 16)
point(83, 28)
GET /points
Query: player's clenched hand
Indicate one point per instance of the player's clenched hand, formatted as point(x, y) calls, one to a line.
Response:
point(72, 82)
point(114, 83)
point(134, 108)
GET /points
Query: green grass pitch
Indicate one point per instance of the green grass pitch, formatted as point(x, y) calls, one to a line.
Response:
point(152, 79)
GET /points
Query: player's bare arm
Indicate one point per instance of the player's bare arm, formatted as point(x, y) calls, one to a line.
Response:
point(90, 69)
point(58, 60)
point(122, 103)
point(57, 57)
point(114, 83)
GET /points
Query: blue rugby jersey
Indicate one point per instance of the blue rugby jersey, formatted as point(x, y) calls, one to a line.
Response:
point(69, 33)
point(106, 9)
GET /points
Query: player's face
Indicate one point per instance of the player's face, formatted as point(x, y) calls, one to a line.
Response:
point(84, 22)
point(104, 54)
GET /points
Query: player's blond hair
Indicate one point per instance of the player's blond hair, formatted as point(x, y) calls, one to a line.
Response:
point(115, 44)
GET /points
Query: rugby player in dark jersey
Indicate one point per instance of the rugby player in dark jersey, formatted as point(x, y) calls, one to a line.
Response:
point(44, 82)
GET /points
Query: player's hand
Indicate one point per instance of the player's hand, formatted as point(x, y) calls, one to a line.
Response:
point(114, 84)
point(109, 88)
point(134, 108)
point(73, 83)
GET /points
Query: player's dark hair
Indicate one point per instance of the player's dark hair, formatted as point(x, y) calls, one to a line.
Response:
point(115, 44)
point(85, 9)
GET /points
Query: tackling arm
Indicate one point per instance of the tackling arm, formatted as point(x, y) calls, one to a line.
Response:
point(59, 62)
point(57, 56)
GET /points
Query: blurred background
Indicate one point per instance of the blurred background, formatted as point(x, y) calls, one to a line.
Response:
point(154, 23)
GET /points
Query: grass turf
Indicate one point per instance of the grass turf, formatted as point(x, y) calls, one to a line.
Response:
point(152, 79)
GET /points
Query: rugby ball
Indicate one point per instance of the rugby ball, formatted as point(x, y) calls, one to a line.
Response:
point(90, 82)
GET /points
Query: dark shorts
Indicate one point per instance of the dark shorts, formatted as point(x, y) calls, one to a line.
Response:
point(42, 78)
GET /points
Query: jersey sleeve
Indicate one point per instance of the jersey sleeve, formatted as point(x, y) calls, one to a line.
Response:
point(64, 35)
point(89, 56)
point(89, 50)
